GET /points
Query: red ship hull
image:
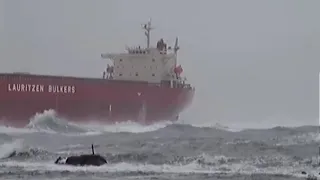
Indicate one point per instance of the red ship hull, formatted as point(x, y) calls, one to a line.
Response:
point(88, 99)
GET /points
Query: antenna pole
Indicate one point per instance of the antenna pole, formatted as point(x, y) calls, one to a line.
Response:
point(147, 27)
point(92, 149)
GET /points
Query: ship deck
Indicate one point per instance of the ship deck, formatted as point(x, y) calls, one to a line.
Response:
point(78, 78)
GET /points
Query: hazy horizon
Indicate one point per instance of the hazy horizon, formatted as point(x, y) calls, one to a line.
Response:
point(253, 63)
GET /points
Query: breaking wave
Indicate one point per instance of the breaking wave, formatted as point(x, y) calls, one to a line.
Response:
point(142, 164)
point(18, 150)
point(49, 122)
point(165, 147)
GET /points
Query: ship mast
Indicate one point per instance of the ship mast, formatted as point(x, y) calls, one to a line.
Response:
point(176, 48)
point(147, 27)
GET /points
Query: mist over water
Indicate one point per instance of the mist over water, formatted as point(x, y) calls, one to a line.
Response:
point(164, 150)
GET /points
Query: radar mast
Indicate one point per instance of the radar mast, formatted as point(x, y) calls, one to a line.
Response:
point(147, 27)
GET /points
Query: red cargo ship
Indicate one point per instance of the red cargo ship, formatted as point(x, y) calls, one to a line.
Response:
point(142, 85)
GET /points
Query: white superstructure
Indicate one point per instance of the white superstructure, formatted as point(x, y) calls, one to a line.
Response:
point(150, 64)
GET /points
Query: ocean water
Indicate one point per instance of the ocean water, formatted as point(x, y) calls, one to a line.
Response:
point(160, 151)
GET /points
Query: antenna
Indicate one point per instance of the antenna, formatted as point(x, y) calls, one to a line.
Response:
point(92, 149)
point(147, 27)
point(176, 48)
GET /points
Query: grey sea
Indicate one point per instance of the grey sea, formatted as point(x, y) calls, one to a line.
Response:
point(160, 151)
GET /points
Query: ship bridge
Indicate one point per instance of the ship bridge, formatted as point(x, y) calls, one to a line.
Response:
point(154, 65)
point(137, 50)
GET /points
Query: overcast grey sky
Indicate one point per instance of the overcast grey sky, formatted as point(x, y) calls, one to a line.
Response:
point(252, 61)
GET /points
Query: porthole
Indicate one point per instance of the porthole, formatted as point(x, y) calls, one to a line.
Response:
point(137, 74)
point(153, 74)
point(153, 60)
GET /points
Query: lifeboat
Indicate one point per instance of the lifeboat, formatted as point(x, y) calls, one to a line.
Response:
point(178, 70)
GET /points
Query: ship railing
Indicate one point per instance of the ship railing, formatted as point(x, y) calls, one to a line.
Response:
point(166, 84)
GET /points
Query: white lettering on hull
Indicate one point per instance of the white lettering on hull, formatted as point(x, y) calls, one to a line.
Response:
point(41, 88)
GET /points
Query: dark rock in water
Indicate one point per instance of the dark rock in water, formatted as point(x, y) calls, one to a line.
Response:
point(95, 160)
point(83, 160)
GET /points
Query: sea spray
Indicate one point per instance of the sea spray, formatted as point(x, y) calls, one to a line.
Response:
point(8, 148)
